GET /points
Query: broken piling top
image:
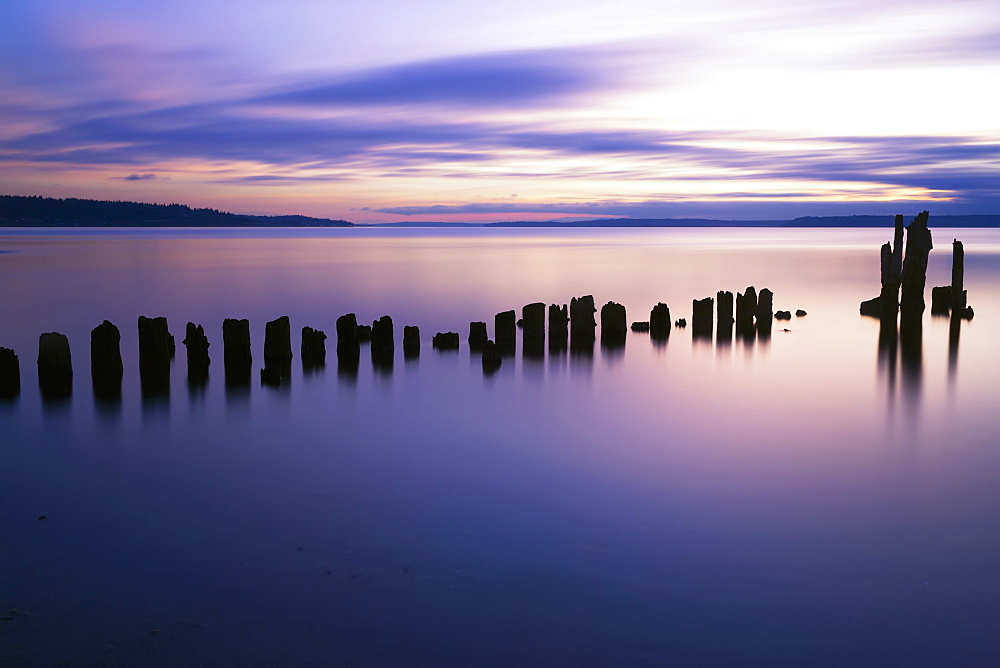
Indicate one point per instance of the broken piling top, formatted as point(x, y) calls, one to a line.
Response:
point(702, 311)
point(278, 340)
point(382, 337)
point(958, 295)
point(411, 341)
point(156, 343)
point(55, 366)
point(581, 314)
point(659, 321)
point(897, 249)
point(10, 374)
point(505, 327)
point(196, 343)
point(313, 346)
point(347, 333)
point(236, 339)
point(746, 307)
point(492, 359)
point(445, 341)
point(765, 305)
point(533, 317)
point(918, 247)
point(613, 319)
point(105, 351)
point(724, 306)
point(477, 335)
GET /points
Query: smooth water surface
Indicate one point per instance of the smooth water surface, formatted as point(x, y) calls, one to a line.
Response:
point(797, 499)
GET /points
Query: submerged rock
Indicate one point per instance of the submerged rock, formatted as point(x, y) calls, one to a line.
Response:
point(681, 323)
point(799, 313)
point(642, 326)
point(782, 315)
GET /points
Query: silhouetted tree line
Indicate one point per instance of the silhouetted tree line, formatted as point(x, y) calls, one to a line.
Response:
point(18, 211)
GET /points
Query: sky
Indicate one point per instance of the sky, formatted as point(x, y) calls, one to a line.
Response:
point(449, 110)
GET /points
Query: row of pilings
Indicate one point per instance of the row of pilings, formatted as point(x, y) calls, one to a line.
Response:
point(571, 327)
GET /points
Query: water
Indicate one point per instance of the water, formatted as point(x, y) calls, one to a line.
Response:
point(797, 499)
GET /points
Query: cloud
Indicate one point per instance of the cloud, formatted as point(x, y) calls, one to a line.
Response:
point(138, 177)
point(497, 80)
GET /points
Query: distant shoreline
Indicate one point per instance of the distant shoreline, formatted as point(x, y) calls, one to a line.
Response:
point(46, 212)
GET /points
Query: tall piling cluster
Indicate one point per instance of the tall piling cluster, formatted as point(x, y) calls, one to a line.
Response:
point(904, 277)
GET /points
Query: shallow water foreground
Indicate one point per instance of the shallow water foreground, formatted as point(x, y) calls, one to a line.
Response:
point(797, 499)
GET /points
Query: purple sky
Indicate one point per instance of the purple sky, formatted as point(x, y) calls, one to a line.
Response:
point(385, 111)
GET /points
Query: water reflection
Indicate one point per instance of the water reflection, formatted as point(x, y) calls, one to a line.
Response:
point(900, 357)
point(911, 342)
point(954, 332)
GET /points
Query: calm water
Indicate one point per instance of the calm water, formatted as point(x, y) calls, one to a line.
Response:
point(797, 500)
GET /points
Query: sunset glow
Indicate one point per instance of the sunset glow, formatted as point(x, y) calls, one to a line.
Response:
point(389, 111)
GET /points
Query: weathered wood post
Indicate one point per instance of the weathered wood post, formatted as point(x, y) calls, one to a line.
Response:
point(445, 341)
point(106, 368)
point(723, 316)
point(10, 374)
point(765, 312)
point(383, 346)
point(918, 247)
point(614, 325)
point(348, 346)
point(277, 352)
point(582, 324)
point(198, 361)
point(558, 327)
point(533, 329)
point(55, 366)
point(411, 342)
point(313, 349)
point(156, 349)
point(659, 322)
point(702, 311)
point(959, 298)
point(236, 354)
point(492, 359)
point(505, 332)
point(477, 336)
point(746, 309)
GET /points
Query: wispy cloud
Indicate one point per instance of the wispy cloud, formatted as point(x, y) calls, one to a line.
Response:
point(496, 80)
point(149, 176)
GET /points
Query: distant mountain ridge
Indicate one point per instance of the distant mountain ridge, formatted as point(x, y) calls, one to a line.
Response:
point(18, 211)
